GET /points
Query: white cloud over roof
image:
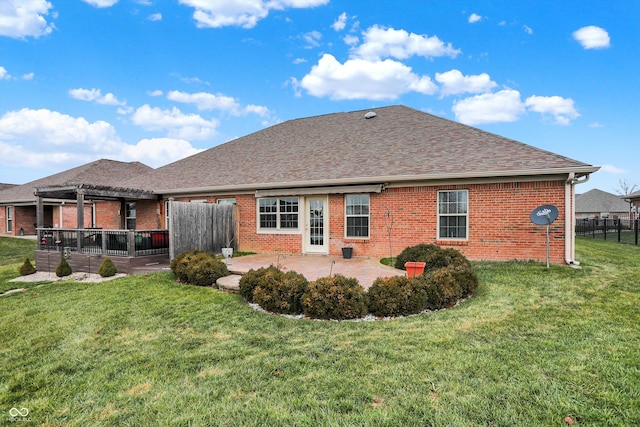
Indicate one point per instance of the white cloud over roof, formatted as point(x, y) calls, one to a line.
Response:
point(474, 17)
point(454, 82)
point(246, 14)
point(364, 79)
point(20, 19)
point(592, 37)
point(101, 3)
point(95, 95)
point(380, 42)
point(562, 109)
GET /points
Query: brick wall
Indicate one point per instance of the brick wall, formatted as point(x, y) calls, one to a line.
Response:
point(499, 224)
point(108, 215)
point(66, 216)
point(147, 216)
point(25, 218)
point(3, 221)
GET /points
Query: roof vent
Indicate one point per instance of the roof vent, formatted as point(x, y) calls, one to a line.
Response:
point(370, 115)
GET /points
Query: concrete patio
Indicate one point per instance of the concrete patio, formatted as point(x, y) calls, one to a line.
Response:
point(366, 270)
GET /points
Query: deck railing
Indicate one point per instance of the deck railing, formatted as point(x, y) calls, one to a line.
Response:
point(96, 241)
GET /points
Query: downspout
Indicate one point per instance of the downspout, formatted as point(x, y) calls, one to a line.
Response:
point(570, 218)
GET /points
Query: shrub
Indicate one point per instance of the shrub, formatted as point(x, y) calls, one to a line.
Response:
point(180, 264)
point(443, 287)
point(27, 268)
point(280, 292)
point(397, 296)
point(251, 279)
point(444, 258)
point(419, 253)
point(203, 269)
point(63, 269)
point(335, 297)
point(107, 268)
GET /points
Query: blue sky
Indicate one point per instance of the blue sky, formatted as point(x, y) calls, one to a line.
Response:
point(157, 80)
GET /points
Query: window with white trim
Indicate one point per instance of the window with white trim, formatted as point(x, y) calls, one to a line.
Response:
point(278, 213)
point(453, 214)
point(9, 210)
point(357, 215)
point(130, 215)
point(227, 201)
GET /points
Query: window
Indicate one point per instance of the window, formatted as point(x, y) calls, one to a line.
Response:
point(278, 213)
point(452, 214)
point(9, 218)
point(130, 216)
point(229, 201)
point(357, 215)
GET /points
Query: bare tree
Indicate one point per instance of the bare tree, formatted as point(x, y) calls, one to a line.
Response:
point(624, 188)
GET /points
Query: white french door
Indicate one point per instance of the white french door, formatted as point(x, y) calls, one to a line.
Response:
point(316, 231)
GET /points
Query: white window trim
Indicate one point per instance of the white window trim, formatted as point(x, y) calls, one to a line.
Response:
point(9, 212)
point(279, 230)
point(346, 236)
point(226, 201)
point(438, 215)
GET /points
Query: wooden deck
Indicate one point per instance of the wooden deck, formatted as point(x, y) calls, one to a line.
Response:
point(90, 263)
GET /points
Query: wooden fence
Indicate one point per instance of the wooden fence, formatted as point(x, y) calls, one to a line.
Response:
point(204, 226)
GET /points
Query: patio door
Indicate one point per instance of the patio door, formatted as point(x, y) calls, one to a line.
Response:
point(316, 234)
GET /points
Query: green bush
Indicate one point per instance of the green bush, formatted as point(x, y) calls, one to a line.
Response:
point(280, 292)
point(397, 296)
point(27, 268)
point(107, 268)
point(180, 264)
point(63, 269)
point(444, 258)
point(335, 297)
point(251, 279)
point(204, 269)
point(443, 287)
point(418, 253)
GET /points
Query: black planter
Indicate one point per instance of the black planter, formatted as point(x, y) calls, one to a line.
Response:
point(347, 252)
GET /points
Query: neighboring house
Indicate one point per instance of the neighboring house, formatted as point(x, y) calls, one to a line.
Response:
point(600, 204)
point(18, 204)
point(634, 199)
point(379, 181)
point(5, 186)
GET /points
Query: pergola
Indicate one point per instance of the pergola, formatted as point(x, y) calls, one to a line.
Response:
point(83, 192)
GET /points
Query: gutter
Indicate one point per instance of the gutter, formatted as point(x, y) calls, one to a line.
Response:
point(570, 217)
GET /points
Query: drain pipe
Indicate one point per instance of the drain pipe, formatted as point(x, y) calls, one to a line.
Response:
point(570, 217)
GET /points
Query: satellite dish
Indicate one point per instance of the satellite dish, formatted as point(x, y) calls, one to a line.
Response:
point(370, 115)
point(544, 215)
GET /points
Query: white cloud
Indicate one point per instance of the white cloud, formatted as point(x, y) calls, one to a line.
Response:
point(101, 3)
point(506, 106)
point(502, 106)
point(592, 37)
point(95, 95)
point(177, 124)
point(245, 14)
point(28, 76)
point(157, 152)
point(562, 109)
point(155, 17)
point(313, 38)
point(351, 40)
point(341, 22)
point(382, 42)
point(4, 75)
point(363, 79)
point(527, 29)
point(596, 125)
point(210, 101)
point(454, 82)
point(42, 138)
point(20, 18)
point(612, 169)
point(299, 61)
point(156, 92)
point(42, 128)
point(474, 17)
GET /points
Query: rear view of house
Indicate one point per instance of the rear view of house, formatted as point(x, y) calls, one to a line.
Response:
point(381, 180)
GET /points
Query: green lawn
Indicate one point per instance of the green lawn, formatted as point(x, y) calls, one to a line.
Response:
point(533, 346)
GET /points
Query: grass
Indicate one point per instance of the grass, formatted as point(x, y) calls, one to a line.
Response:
point(533, 346)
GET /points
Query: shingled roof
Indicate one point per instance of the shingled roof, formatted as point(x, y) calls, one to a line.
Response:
point(398, 144)
point(600, 201)
point(101, 172)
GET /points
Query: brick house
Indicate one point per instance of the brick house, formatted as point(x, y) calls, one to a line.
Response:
point(634, 200)
point(18, 203)
point(379, 181)
point(596, 203)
